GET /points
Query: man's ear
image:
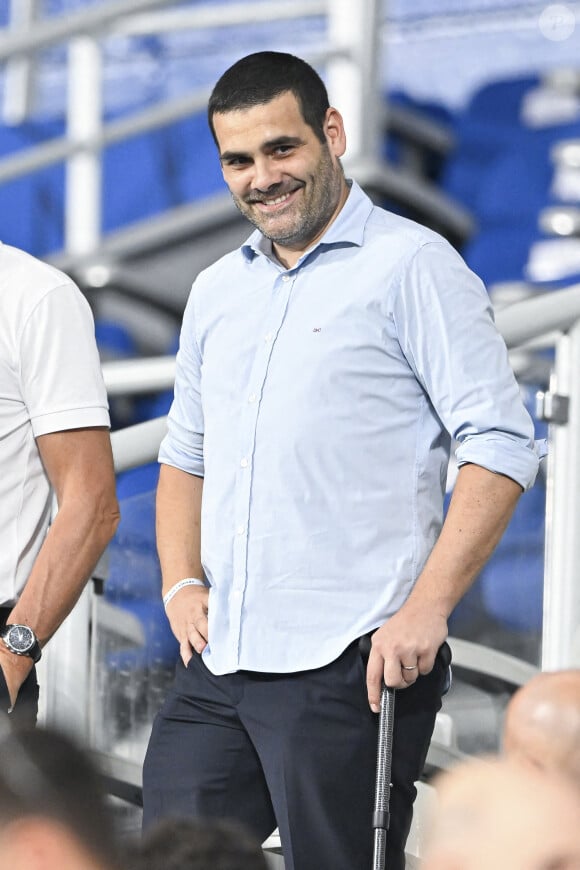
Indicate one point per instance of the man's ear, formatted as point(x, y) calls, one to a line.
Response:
point(334, 132)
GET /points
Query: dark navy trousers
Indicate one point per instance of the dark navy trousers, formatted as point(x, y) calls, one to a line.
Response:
point(293, 751)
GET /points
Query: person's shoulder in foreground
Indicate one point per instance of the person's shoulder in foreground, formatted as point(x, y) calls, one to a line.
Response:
point(492, 813)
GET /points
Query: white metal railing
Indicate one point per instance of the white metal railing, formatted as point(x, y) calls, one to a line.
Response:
point(58, 29)
point(88, 135)
point(561, 623)
point(561, 610)
point(538, 315)
point(350, 57)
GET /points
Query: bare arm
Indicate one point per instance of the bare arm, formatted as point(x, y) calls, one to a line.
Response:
point(480, 509)
point(79, 465)
point(179, 546)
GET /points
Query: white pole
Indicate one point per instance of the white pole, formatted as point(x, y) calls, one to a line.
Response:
point(66, 665)
point(353, 78)
point(19, 77)
point(84, 122)
point(561, 628)
point(63, 673)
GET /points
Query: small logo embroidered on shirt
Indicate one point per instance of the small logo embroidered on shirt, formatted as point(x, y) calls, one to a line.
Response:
point(317, 329)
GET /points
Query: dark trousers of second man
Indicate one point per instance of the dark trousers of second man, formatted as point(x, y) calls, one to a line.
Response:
point(296, 751)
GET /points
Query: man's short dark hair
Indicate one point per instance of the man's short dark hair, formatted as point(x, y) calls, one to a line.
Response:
point(46, 774)
point(261, 77)
point(197, 844)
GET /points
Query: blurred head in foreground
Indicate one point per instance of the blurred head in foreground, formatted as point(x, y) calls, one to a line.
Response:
point(197, 844)
point(542, 724)
point(495, 813)
point(52, 806)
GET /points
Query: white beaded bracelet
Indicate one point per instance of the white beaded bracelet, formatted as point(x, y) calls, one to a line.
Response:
point(189, 581)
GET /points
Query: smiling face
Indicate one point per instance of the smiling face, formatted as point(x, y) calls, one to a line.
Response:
point(287, 182)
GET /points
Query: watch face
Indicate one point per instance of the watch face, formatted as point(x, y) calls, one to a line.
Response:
point(20, 638)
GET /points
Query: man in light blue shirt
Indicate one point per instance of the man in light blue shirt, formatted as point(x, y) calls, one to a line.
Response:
point(323, 369)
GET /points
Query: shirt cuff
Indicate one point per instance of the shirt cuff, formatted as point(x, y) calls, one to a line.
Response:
point(503, 456)
point(72, 418)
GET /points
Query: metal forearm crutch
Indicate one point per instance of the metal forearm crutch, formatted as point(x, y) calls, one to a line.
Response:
point(383, 778)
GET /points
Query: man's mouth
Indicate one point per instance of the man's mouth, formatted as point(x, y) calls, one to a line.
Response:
point(277, 200)
point(273, 203)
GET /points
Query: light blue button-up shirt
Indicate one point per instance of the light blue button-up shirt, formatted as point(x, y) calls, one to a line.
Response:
point(319, 404)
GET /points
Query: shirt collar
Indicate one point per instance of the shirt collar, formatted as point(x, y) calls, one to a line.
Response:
point(348, 227)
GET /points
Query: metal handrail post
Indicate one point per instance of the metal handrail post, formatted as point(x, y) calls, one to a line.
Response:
point(20, 70)
point(353, 77)
point(83, 169)
point(561, 625)
point(63, 670)
point(56, 29)
point(67, 691)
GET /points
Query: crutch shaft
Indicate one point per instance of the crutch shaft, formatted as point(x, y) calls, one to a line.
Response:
point(383, 776)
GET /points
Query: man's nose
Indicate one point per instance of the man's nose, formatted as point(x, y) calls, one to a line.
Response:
point(266, 176)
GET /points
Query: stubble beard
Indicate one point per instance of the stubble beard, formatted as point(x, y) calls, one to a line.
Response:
point(310, 216)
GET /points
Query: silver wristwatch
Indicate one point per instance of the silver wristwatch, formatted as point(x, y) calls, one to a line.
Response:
point(21, 640)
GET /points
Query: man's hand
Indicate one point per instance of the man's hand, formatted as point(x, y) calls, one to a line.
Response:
point(187, 614)
point(15, 670)
point(403, 648)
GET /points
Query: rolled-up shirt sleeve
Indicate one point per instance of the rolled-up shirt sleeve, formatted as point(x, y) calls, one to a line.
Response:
point(445, 325)
point(182, 446)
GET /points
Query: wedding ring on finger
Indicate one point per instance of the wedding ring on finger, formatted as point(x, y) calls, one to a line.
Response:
point(409, 667)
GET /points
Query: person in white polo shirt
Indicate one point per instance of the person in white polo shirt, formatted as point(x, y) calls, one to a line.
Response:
point(54, 440)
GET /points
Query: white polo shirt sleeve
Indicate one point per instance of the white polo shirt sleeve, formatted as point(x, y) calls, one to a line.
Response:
point(61, 379)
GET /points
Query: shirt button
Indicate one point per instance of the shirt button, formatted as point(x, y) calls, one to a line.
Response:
point(268, 337)
point(285, 278)
point(240, 530)
point(244, 462)
point(252, 398)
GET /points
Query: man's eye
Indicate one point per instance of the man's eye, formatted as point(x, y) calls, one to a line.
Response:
point(237, 162)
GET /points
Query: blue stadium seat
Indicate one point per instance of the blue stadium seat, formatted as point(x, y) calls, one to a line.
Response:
point(31, 206)
point(135, 178)
point(490, 126)
point(509, 590)
point(512, 583)
point(136, 481)
point(160, 648)
point(501, 253)
point(114, 340)
point(500, 101)
point(193, 163)
point(134, 578)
